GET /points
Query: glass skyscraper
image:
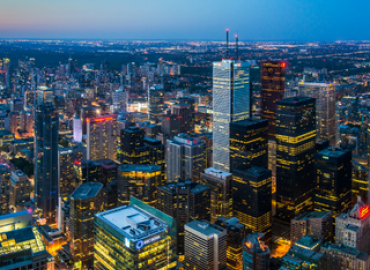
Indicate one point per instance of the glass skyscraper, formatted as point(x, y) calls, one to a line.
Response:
point(231, 102)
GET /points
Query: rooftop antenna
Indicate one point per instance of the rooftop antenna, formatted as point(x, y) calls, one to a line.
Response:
point(237, 52)
point(227, 43)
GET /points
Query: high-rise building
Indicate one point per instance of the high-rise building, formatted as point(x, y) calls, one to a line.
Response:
point(46, 169)
point(256, 253)
point(272, 90)
point(86, 171)
point(235, 236)
point(20, 188)
point(66, 158)
point(205, 246)
point(184, 108)
point(248, 143)
point(4, 189)
point(142, 238)
point(251, 191)
point(170, 125)
point(140, 181)
point(231, 102)
point(132, 149)
point(101, 137)
point(86, 201)
point(156, 153)
point(44, 95)
point(109, 175)
point(324, 93)
point(315, 224)
point(184, 201)
point(295, 150)
point(186, 158)
point(119, 100)
point(360, 181)
point(333, 180)
point(352, 229)
point(219, 183)
point(155, 103)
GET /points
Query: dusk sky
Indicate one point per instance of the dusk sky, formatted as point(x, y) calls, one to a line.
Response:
point(287, 20)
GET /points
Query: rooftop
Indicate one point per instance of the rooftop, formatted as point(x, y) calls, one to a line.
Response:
point(249, 122)
point(294, 100)
point(87, 190)
point(315, 214)
point(217, 173)
point(204, 228)
point(333, 152)
point(139, 168)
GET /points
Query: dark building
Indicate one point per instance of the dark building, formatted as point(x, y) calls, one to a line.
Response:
point(86, 171)
point(4, 189)
point(153, 130)
point(321, 145)
point(156, 153)
point(109, 175)
point(248, 143)
point(256, 254)
point(251, 191)
point(184, 107)
point(46, 169)
point(295, 150)
point(155, 103)
point(235, 235)
point(184, 201)
point(333, 180)
point(132, 149)
point(170, 125)
point(272, 90)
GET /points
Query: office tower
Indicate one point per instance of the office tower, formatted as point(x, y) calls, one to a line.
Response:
point(86, 201)
point(248, 143)
point(86, 171)
point(272, 90)
point(219, 183)
point(186, 158)
point(340, 257)
point(156, 153)
point(132, 149)
point(13, 122)
point(321, 144)
point(109, 174)
point(184, 108)
point(184, 201)
point(4, 189)
point(101, 137)
point(333, 180)
point(315, 224)
point(140, 181)
point(66, 158)
point(324, 93)
point(295, 149)
point(44, 95)
point(256, 254)
point(152, 130)
point(170, 125)
point(205, 246)
point(235, 236)
point(352, 229)
point(119, 100)
point(24, 249)
point(46, 169)
point(155, 103)
point(272, 167)
point(20, 188)
point(360, 181)
point(142, 237)
point(251, 191)
point(231, 102)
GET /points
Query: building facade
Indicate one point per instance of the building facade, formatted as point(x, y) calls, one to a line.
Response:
point(20, 188)
point(155, 103)
point(256, 253)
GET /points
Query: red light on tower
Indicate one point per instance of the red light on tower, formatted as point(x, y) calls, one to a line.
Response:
point(364, 212)
point(283, 64)
point(178, 117)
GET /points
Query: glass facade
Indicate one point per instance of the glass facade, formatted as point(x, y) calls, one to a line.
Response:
point(155, 103)
point(132, 149)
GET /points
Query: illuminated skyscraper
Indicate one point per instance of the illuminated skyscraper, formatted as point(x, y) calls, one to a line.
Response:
point(272, 90)
point(360, 181)
point(4, 189)
point(101, 138)
point(20, 188)
point(132, 149)
point(219, 183)
point(295, 150)
point(333, 180)
point(142, 238)
point(156, 154)
point(248, 143)
point(324, 93)
point(231, 102)
point(184, 201)
point(184, 108)
point(155, 103)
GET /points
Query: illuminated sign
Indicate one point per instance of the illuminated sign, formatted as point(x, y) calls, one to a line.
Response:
point(140, 244)
point(103, 119)
point(127, 243)
point(364, 212)
point(324, 157)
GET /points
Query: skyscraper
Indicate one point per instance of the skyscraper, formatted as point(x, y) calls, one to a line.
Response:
point(256, 254)
point(155, 103)
point(184, 108)
point(186, 158)
point(156, 153)
point(231, 102)
point(324, 93)
point(132, 149)
point(20, 188)
point(142, 238)
point(205, 246)
point(4, 189)
point(46, 169)
point(295, 150)
point(333, 180)
point(248, 143)
point(272, 90)
point(101, 137)
point(184, 201)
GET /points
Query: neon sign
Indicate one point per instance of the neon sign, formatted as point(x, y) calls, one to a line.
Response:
point(364, 212)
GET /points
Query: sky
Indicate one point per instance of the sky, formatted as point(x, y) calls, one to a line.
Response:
point(254, 20)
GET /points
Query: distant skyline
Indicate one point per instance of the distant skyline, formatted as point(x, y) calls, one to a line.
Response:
point(254, 20)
